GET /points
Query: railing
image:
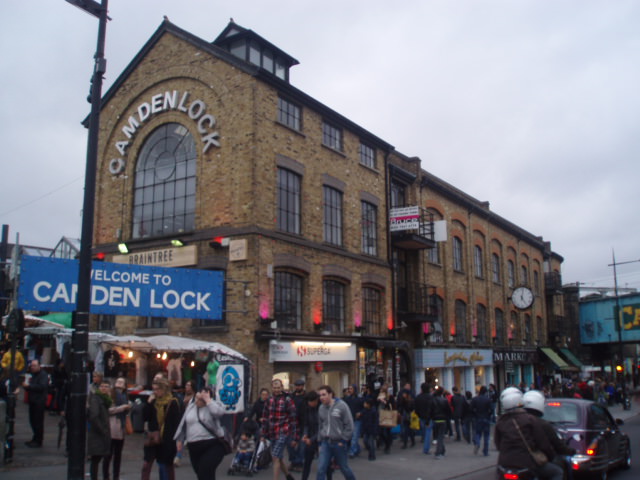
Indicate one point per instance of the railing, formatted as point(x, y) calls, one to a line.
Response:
point(415, 299)
point(552, 282)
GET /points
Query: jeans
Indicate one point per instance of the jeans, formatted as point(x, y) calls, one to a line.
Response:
point(456, 422)
point(333, 449)
point(467, 425)
point(354, 448)
point(427, 430)
point(296, 455)
point(439, 431)
point(370, 445)
point(483, 429)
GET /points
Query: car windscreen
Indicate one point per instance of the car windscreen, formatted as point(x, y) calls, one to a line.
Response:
point(560, 412)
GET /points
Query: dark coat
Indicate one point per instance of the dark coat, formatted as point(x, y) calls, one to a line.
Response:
point(441, 409)
point(458, 405)
point(99, 435)
point(513, 451)
point(369, 421)
point(481, 407)
point(166, 451)
point(424, 406)
point(38, 388)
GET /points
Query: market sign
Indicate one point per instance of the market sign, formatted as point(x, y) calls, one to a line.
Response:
point(50, 284)
point(311, 351)
point(406, 218)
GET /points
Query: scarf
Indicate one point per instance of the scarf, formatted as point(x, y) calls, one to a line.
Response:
point(106, 399)
point(161, 405)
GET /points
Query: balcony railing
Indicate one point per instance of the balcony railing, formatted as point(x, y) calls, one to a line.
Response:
point(417, 238)
point(552, 282)
point(414, 303)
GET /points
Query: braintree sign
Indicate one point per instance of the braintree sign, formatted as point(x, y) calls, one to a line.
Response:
point(50, 284)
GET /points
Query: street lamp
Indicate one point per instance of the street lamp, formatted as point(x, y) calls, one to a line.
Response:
point(77, 416)
point(618, 317)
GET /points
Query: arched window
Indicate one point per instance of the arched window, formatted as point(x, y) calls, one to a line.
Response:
point(165, 183)
point(287, 305)
point(499, 326)
point(458, 258)
point(461, 321)
point(478, 261)
point(511, 274)
point(481, 323)
point(495, 267)
point(334, 303)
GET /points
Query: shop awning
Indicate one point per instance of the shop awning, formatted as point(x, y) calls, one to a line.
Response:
point(555, 358)
point(169, 343)
point(571, 357)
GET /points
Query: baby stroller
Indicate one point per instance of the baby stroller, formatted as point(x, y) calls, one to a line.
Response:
point(245, 463)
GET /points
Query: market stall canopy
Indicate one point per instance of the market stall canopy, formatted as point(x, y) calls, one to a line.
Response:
point(169, 343)
point(31, 321)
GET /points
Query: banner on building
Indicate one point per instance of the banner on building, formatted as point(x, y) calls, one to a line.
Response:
point(229, 387)
point(51, 284)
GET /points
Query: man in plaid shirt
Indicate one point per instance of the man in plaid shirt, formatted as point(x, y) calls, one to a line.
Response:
point(280, 426)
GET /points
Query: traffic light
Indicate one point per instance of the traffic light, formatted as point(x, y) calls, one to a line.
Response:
point(99, 257)
point(619, 368)
point(15, 321)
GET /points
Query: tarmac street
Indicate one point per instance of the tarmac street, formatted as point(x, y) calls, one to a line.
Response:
point(411, 464)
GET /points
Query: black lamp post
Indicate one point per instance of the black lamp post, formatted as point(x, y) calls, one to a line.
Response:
point(76, 416)
point(618, 317)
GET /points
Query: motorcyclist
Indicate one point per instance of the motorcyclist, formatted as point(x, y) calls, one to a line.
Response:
point(514, 424)
point(534, 404)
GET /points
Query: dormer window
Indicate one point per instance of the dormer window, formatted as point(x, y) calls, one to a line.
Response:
point(252, 48)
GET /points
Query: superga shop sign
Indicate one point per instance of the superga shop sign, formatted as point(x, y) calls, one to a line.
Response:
point(176, 100)
point(303, 351)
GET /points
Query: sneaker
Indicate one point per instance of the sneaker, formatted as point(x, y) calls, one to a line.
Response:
point(439, 457)
point(176, 462)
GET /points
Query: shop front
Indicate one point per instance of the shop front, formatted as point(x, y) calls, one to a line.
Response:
point(466, 369)
point(317, 362)
point(515, 367)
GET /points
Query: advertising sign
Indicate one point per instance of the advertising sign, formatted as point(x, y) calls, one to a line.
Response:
point(445, 357)
point(229, 387)
point(311, 352)
point(50, 284)
point(406, 218)
point(598, 320)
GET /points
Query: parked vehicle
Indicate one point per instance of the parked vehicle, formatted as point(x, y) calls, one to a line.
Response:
point(589, 427)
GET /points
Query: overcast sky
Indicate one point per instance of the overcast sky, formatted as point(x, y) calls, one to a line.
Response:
point(533, 105)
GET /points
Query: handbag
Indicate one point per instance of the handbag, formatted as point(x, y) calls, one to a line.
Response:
point(539, 457)
point(151, 439)
point(388, 418)
point(128, 425)
point(226, 439)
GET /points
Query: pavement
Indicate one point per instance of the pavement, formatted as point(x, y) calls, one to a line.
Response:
point(50, 462)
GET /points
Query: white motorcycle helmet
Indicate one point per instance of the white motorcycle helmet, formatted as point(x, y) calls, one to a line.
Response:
point(511, 398)
point(534, 399)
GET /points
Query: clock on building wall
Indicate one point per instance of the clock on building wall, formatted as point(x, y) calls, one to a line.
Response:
point(522, 298)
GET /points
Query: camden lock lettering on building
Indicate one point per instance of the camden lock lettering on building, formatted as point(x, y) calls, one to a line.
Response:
point(175, 100)
point(50, 284)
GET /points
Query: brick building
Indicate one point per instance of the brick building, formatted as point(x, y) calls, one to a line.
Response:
point(211, 159)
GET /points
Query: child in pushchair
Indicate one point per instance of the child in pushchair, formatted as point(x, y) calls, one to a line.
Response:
point(244, 460)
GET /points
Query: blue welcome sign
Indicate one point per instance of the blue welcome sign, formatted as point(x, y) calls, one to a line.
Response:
point(51, 284)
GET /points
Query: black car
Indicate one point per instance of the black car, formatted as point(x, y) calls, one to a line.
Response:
point(589, 427)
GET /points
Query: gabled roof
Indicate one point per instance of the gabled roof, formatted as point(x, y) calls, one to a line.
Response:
point(234, 31)
point(167, 27)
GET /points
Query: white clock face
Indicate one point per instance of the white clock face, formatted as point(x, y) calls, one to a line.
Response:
point(522, 298)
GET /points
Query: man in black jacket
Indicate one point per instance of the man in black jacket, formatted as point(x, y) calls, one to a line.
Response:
point(482, 409)
point(424, 406)
point(441, 418)
point(458, 405)
point(37, 387)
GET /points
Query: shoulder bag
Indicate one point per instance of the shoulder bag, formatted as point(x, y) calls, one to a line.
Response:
point(226, 439)
point(539, 457)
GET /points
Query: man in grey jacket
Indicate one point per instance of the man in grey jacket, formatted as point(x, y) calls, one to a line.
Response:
point(334, 433)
